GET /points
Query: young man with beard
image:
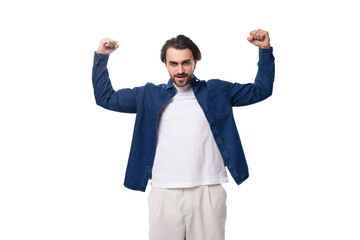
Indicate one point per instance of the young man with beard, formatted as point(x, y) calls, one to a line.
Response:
point(184, 136)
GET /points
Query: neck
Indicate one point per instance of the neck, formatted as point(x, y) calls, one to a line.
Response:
point(184, 88)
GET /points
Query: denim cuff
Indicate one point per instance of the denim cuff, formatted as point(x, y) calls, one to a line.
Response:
point(100, 58)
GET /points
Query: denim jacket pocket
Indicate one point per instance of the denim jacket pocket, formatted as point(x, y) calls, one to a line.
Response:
point(219, 102)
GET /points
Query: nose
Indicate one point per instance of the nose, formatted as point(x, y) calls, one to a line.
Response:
point(180, 69)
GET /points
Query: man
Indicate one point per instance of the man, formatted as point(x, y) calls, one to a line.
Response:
point(185, 136)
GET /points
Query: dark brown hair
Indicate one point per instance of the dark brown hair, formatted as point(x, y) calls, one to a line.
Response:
point(180, 42)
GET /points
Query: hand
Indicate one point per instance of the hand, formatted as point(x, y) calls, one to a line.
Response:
point(107, 46)
point(259, 38)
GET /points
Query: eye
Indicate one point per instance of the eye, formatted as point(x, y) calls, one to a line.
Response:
point(185, 63)
point(173, 64)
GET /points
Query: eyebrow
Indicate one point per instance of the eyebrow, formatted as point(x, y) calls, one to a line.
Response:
point(187, 60)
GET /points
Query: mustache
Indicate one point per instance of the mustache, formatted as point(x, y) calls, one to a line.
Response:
point(181, 75)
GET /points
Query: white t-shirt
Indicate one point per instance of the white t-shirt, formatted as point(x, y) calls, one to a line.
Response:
point(186, 152)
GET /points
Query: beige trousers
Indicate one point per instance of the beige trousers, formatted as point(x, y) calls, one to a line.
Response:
point(197, 213)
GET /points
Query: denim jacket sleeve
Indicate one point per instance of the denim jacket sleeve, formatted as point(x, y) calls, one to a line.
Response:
point(123, 100)
point(246, 94)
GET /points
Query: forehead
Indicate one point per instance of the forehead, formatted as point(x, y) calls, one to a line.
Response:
point(178, 55)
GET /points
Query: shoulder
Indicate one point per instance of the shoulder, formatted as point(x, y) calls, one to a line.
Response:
point(215, 87)
point(150, 88)
point(218, 83)
point(150, 85)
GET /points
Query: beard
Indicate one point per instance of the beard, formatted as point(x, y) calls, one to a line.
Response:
point(182, 84)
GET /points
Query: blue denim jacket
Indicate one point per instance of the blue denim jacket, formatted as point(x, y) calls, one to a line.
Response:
point(216, 98)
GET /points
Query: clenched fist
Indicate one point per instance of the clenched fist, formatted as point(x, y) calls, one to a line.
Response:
point(107, 46)
point(259, 38)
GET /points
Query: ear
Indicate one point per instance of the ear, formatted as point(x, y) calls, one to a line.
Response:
point(195, 64)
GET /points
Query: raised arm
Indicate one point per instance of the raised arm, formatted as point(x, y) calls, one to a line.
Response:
point(245, 94)
point(123, 100)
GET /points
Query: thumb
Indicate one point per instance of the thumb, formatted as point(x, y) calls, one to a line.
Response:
point(250, 38)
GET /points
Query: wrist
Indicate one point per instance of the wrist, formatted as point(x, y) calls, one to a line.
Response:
point(103, 53)
point(266, 46)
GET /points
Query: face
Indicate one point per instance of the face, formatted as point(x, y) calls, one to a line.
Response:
point(180, 64)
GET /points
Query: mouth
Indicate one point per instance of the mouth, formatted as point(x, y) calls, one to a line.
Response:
point(181, 77)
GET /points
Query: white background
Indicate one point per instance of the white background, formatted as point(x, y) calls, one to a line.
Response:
point(63, 158)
